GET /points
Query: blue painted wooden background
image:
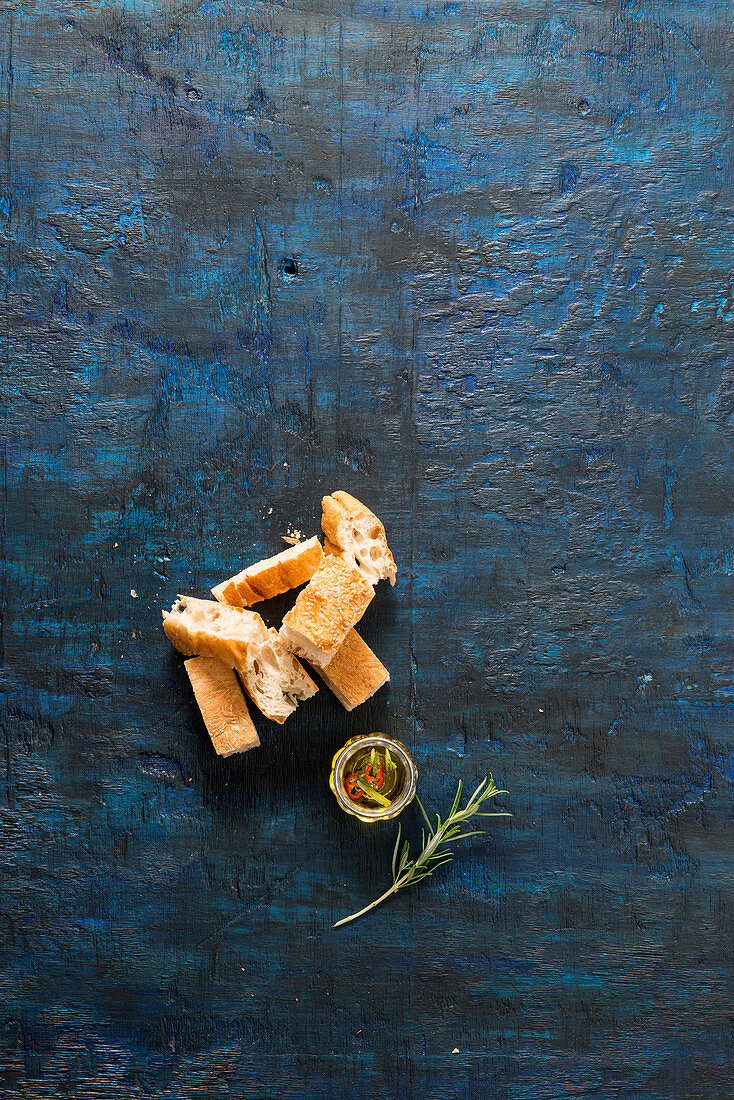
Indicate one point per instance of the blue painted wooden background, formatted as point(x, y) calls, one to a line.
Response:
point(473, 263)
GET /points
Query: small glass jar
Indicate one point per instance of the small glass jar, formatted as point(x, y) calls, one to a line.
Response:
point(342, 766)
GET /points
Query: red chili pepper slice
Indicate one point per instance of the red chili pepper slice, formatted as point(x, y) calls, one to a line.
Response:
point(375, 776)
point(353, 790)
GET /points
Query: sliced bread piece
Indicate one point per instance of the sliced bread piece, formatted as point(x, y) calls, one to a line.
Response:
point(270, 577)
point(332, 602)
point(208, 629)
point(352, 527)
point(354, 673)
point(222, 705)
point(273, 678)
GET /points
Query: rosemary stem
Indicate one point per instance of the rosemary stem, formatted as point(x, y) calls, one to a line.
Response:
point(345, 920)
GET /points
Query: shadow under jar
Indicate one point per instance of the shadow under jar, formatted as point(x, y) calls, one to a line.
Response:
point(376, 769)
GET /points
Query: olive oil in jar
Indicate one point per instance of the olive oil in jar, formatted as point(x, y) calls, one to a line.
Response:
point(374, 777)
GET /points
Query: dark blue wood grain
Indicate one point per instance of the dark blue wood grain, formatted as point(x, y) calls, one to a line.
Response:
point(472, 263)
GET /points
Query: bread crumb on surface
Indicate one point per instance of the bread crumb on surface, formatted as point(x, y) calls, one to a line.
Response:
point(133, 593)
point(294, 536)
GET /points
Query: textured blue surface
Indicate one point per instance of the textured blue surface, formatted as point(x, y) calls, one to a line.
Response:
point(472, 263)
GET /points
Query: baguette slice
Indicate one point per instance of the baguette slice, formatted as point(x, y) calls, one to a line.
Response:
point(354, 673)
point(222, 705)
point(273, 678)
point(207, 629)
point(332, 602)
point(353, 528)
point(270, 577)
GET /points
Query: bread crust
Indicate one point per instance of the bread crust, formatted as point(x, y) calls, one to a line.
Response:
point(206, 629)
point(333, 601)
point(331, 550)
point(354, 673)
point(222, 706)
point(271, 576)
point(354, 529)
point(353, 506)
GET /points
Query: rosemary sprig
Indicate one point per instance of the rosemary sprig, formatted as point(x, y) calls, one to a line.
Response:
point(436, 850)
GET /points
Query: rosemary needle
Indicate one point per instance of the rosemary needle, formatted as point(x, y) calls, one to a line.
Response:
point(436, 848)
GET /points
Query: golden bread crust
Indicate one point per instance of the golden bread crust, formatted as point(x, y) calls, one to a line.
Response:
point(331, 550)
point(353, 506)
point(271, 576)
point(222, 706)
point(332, 515)
point(354, 673)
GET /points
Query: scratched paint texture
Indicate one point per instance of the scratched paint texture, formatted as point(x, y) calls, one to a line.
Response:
point(472, 263)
